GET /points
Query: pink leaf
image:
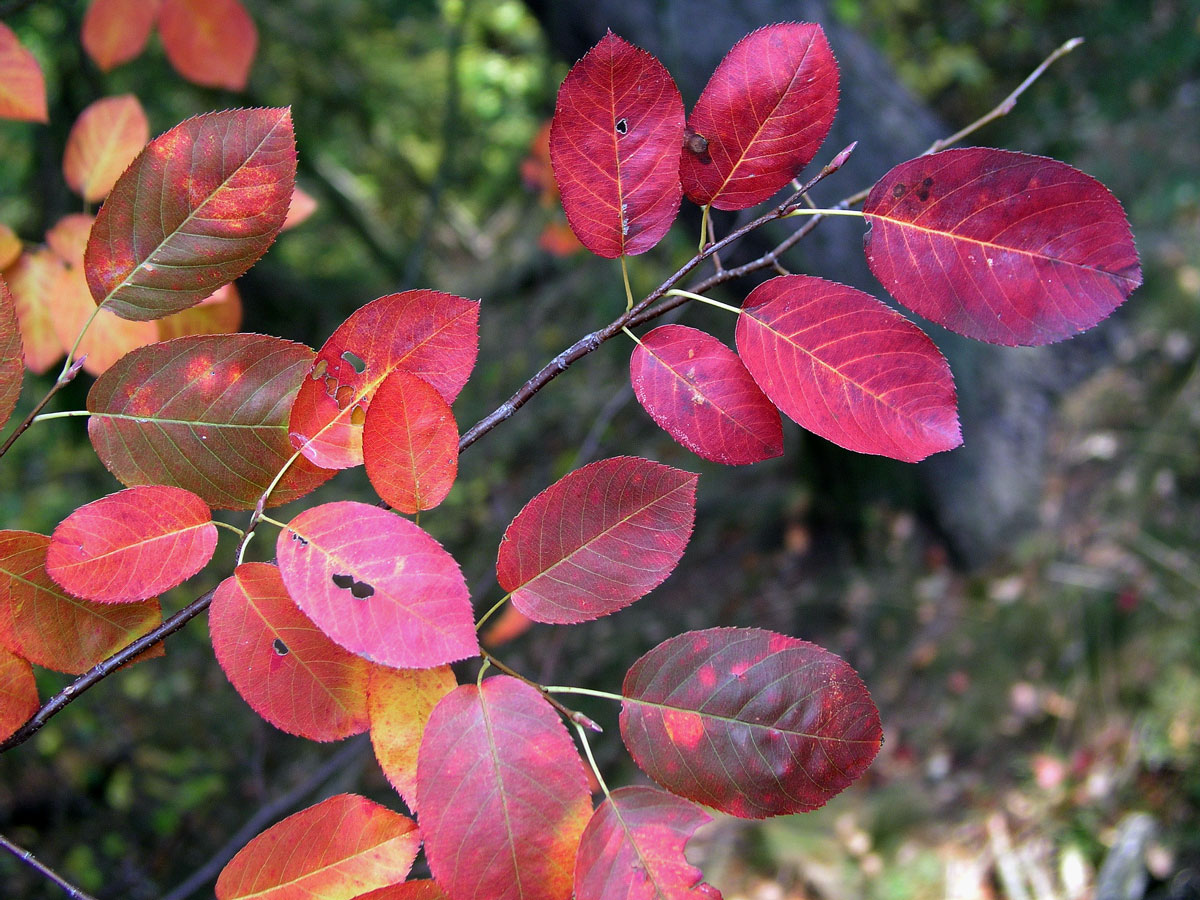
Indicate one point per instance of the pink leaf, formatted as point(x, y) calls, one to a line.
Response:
point(132, 544)
point(116, 31)
point(378, 585)
point(209, 42)
point(615, 144)
point(1000, 246)
point(22, 88)
point(762, 117)
point(698, 390)
point(848, 368)
point(597, 540)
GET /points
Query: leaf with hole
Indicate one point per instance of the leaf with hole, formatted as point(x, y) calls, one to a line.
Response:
point(614, 144)
point(378, 585)
point(22, 88)
point(285, 667)
point(197, 208)
point(999, 246)
point(700, 393)
point(133, 544)
point(430, 334)
point(633, 848)
point(34, 280)
point(410, 443)
point(47, 626)
point(116, 31)
point(103, 142)
point(339, 849)
point(170, 414)
point(209, 42)
point(762, 116)
point(597, 540)
point(12, 369)
point(847, 367)
point(18, 692)
point(399, 702)
point(502, 794)
point(747, 721)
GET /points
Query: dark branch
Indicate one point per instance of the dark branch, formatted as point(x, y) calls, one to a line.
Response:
point(44, 870)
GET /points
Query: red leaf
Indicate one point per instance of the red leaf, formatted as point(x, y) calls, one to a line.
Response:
point(848, 368)
point(431, 334)
point(116, 31)
point(209, 42)
point(103, 142)
point(18, 693)
point(762, 116)
point(53, 629)
point(615, 144)
point(34, 280)
point(378, 585)
point(502, 793)
point(697, 389)
point(132, 544)
point(12, 369)
point(22, 88)
point(747, 721)
point(410, 443)
point(597, 540)
point(399, 702)
point(633, 849)
point(1000, 246)
point(289, 672)
point(302, 206)
point(218, 313)
point(167, 414)
point(337, 850)
point(195, 210)
point(418, 889)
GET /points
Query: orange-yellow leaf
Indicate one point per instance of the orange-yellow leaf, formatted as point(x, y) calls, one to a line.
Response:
point(209, 42)
point(12, 367)
point(219, 313)
point(10, 246)
point(34, 280)
point(102, 143)
point(399, 702)
point(116, 31)
point(18, 692)
point(22, 88)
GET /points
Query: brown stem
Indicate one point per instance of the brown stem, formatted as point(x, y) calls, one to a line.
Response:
point(59, 383)
point(44, 870)
point(566, 712)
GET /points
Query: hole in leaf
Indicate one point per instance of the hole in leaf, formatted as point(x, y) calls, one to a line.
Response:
point(280, 647)
point(360, 590)
point(695, 143)
point(357, 363)
point(343, 395)
point(898, 191)
point(622, 126)
point(358, 415)
point(318, 369)
point(299, 540)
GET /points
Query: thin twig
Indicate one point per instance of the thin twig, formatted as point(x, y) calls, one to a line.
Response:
point(44, 870)
point(65, 378)
point(566, 712)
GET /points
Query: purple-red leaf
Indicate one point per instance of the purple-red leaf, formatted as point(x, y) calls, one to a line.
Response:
point(410, 443)
point(848, 368)
point(207, 413)
point(597, 540)
point(209, 42)
point(132, 544)
point(378, 585)
point(999, 246)
point(433, 335)
point(747, 721)
point(116, 31)
point(762, 116)
point(285, 667)
point(339, 849)
point(195, 210)
point(502, 793)
point(12, 368)
point(47, 626)
point(633, 846)
point(698, 390)
point(103, 142)
point(399, 702)
point(615, 144)
point(18, 692)
point(22, 88)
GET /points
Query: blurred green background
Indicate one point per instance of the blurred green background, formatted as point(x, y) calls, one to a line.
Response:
point(1031, 703)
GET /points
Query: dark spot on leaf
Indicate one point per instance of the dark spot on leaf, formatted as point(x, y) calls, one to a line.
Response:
point(927, 183)
point(923, 194)
point(360, 590)
point(280, 647)
point(622, 126)
point(898, 191)
point(695, 143)
point(357, 363)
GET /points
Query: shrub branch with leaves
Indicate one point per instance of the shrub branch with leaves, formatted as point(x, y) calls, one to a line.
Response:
point(355, 623)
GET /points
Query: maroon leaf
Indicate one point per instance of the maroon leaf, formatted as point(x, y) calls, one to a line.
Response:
point(285, 667)
point(207, 413)
point(615, 144)
point(747, 721)
point(431, 334)
point(12, 369)
point(410, 443)
point(194, 210)
point(633, 849)
point(698, 390)
point(762, 117)
point(1000, 246)
point(848, 368)
point(597, 540)
point(378, 585)
point(502, 794)
point(18, 692)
